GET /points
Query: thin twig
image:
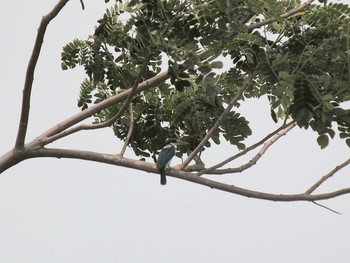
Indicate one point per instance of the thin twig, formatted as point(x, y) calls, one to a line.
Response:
point(255, 159)
point(246, 150)
point(285, 15)
point(131, 127)
point(327, 176)
point(221, 119)
point(325, 207)
point(28, 83)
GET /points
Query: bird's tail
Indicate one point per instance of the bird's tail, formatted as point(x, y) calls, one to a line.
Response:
point(162, 176)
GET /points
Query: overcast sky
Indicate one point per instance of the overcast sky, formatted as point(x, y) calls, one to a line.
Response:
point(75, 211)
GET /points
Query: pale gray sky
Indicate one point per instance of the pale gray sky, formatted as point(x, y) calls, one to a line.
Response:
point(74, 211)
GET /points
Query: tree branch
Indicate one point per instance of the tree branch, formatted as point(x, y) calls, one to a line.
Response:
point(221, 119)
point(151, 168)
point(210, 170)
point(78, 117)
point(285, 15)
point(28, 83)
point(327, 176)
point(10, 159)
point(106, 123)
point(255, 159)
point(35, 148)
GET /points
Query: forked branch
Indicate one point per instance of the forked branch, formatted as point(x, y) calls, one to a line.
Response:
point(80, 116)
point(327, 176)
point(211, 170)
point(256, 158)
point(106, 123)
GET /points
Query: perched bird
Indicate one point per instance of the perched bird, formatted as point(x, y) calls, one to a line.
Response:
point(166, 154)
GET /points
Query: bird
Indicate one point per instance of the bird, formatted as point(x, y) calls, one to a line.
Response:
point(166, 154)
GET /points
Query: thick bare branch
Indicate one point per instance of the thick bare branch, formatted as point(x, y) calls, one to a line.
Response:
point(10, 159)
point(151, 168)
point(28, 83)
point(285, 15)
point(80, 116)
point(221, 119)
point(327, 176)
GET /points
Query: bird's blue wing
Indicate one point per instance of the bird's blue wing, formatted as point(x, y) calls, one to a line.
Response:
point(165, 156)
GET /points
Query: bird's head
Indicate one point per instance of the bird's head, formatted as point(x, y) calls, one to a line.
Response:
point(175, 142)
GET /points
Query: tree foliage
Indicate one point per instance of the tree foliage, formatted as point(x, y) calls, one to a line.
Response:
point(158, 69)
point(211, 46)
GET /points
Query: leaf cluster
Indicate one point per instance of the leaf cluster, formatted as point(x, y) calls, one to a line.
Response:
point(307, 74)
point(303, 61)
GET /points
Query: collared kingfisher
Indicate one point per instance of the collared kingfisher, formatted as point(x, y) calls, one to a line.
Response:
point(166, 154)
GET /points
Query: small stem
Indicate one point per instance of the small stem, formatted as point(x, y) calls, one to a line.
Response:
point(285, 15)
point(325, 207)
point(131, 127)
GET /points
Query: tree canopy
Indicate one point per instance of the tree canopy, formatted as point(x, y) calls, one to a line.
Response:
point(159, 69)
point(210, 47)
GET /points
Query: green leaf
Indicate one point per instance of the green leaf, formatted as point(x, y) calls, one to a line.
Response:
point(241, 146)
point(283, 75)
point(323, 141)
point(331, 133)
point(327, 97)
point(346, 118)
point(217, 64)
point(343, 135)
point(348, 142)
point(328, 106)
point(215, 138)
point(273, 115)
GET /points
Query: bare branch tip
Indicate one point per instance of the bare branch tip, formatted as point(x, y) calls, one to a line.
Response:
point(327, 208)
